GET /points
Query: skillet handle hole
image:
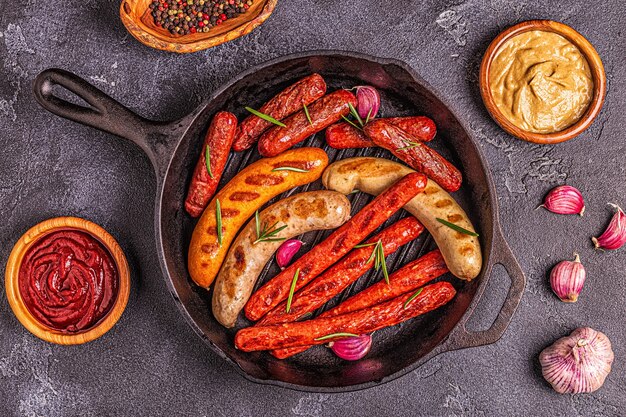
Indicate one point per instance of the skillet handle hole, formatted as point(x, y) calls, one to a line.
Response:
point(491, 301)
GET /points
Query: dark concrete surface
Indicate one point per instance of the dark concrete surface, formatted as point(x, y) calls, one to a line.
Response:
point(151, 363)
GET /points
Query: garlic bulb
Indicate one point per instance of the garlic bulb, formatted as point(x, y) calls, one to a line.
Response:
point(577, 363)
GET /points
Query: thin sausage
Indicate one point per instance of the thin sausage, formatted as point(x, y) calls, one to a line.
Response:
point(323, 113)
point(416, 154)
point(406, 279)
point(219, 139)
point(301, 213)
point(288, 101)
point(311, 332)
point(334, 246)
point(252, 187)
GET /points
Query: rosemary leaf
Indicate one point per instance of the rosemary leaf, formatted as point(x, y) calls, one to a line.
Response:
point(457, 228)
point(218, 217)
point(351, 122)
point(369, 113)
point(411, 298)
point(265, 233)
point(333, 335)
point(207, 161)
point(292, 289)
point(355, 114)
point(294, 169)
point(365, 245)
point(383, 262)
point(265, 117)
point(308, 116)
point(410, 144)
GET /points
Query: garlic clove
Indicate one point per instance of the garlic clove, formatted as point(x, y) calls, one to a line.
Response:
point(614, 236)
point(564, 199)
point(352, 348)
point(567, 279)
point(577, 363)
point(368, 102)
point(287, 251)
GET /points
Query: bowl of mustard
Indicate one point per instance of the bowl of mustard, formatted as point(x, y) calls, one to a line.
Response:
point(542, 81)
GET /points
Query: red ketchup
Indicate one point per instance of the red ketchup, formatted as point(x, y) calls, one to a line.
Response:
point(68, 281)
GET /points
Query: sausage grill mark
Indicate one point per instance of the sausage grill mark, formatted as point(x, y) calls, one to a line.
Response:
point(264, 179)
point(244, 196)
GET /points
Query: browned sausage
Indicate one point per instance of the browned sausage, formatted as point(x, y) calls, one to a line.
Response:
point(287, 102)
point(219, 139)
point(323, 113)
point(406, 279)
point(335, 246)
point(419, 156)
point(342, 135)
point(343, 273)
point(315, 332)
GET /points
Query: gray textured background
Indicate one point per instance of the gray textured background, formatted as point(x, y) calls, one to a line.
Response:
point(151, 363)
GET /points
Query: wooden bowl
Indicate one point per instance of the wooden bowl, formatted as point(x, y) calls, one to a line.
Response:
point(588, 51)
point(136, 17)
point(12, 284)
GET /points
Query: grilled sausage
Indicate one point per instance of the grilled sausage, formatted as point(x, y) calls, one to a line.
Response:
point(342, 135)
point(287, 102)
point(219, 139)
point(335, 246)
point(343, 273)
point(301, 213)
point(416, 154)
point(323, 113)
point(313, 332)
point(373, 175)
point(252, 187)
point(406, 279)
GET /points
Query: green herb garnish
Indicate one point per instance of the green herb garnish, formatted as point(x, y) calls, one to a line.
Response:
point(378, 255)
point(218, 217)
point(294, 169)
point(410, 144)
point(411, 298)
point(369, 113)
point(292, 289)
point(456, 227)
point(333, 335)
point(308, 116)
point(351, 122)
point(265, 117)
point(354, 191)
point(355, 114)
point(365, 245)
point(207, 161)
point(264, 233)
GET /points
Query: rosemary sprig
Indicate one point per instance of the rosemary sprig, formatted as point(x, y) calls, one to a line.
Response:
point(369, 113)
point(294, 169)
point(355, 114)
point(410, 144)
point(218, 218)
point(266, 234)
point(265, 117)
point(333, 335)
point(354, 191)
point(383, 262)
point(351, 122)
point(292, 289)
point(365, 245)
point(306, 111)
point(378, 256)
point(411, 298)
point(207, 161)
point(457, 227)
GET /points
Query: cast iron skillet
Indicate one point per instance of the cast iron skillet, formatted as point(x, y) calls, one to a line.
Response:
point(173, 148)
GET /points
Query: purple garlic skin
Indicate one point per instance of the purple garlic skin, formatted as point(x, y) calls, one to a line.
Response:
point(286, 252)
point(567, 279)
point(564, 199)
point(368, 102)
point(352, 348)
point(577, 363)
point(614, 236)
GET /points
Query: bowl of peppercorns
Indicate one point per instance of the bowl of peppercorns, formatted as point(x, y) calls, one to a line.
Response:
point(192, 25)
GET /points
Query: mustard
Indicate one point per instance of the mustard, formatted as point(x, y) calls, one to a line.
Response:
point(541, 82)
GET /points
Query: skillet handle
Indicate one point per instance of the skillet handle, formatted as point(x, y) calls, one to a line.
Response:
point(104, 113)
point(464, 338)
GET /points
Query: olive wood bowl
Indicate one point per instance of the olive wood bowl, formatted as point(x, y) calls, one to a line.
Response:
point(135, 15)
point(588, 51)
point(12, 284)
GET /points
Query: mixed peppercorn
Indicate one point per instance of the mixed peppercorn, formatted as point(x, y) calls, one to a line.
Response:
point(181, 17)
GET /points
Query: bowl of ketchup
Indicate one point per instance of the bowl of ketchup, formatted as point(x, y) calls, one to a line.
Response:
point(67, 280)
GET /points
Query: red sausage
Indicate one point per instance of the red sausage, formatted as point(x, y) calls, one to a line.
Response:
point(343, 273)
point(336, 245)
point(416, 154)
point(323, 113)
point(304, 333)
point(406, 279)
point(287, 102)
point(219, 139)
point(343, 135)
